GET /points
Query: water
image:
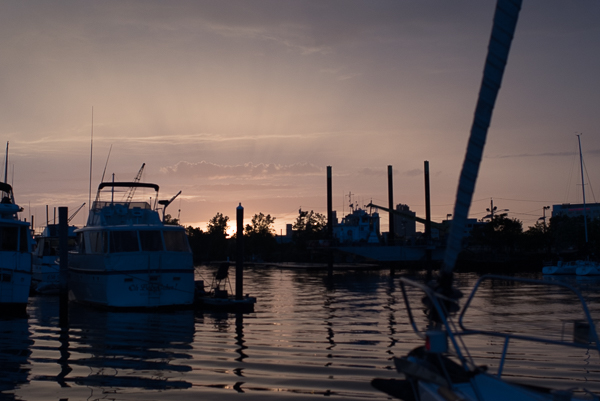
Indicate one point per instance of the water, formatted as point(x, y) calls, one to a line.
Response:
point(306, 339)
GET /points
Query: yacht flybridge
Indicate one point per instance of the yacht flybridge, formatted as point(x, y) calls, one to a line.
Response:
point(127, 257)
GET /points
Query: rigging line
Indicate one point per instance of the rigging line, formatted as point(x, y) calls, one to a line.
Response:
point(450, 204)
point(527, 200)
point(106, 164)
point(589, 181)
point(525, 214)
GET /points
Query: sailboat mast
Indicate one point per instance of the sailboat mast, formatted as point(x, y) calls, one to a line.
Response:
point(582, 189)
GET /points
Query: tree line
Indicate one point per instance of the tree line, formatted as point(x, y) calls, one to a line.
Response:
point(260, 243)
point(564, 237)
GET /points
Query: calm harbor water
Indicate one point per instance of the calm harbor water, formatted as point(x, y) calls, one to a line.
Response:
point(307, 338)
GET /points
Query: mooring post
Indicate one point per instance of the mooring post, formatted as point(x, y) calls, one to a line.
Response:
point(239, 260)
point(63, 245)
point(392, 229)
point(428, 245)
point(427, 203)
point(329, 221)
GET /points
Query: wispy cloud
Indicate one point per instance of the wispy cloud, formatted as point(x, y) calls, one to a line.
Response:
point(249, 170)
point(380, 172)
point(545, 154)
point(413, 172)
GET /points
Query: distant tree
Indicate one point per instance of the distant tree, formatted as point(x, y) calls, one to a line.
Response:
point(218, 225)
point(261, 225)
point(537, 238)
point(499, 234)
point(310, 223)
point(170, 220)
point(198, 242)
point(308, 228)
point(259, 239)
point(216, 245)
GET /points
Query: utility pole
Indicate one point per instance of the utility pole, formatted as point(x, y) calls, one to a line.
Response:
point(544, 216)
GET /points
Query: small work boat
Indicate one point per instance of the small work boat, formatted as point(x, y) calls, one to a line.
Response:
point(219, 296)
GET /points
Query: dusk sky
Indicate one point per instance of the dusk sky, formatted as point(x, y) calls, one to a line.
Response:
point(250, 100)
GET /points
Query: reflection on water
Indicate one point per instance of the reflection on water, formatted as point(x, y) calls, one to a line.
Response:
point(309, 336)
point(14, 354)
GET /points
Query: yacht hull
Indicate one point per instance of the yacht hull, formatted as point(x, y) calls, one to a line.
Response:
point(15, 280)
point(137, 280)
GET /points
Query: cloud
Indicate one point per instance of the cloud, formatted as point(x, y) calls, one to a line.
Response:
point(413, 172)
point(248, 170)
point(380, 172)
point(545, 154)
point(242, 188)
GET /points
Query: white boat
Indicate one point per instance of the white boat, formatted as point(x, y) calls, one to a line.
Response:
point(15, 255)
point(443, 368)
point(46, 274)
point(561, 267)
point(127, 257)
point(569, 268)
point(589, 269)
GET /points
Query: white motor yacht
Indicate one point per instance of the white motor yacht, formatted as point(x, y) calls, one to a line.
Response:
point(127, 257)
point(15, 254)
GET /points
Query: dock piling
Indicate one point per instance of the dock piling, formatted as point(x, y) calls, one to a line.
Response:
point(63, 244)
point(329, 221)
point(392, 229)
point(239, 260)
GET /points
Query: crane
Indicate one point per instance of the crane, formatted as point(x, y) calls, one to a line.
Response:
point(137, 178)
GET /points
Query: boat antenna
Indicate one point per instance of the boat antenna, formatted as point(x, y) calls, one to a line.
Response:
point(6, 164)
point(505, 21)
point(91, 158)
point(582, 188)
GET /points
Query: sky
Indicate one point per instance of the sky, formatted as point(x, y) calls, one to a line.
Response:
point(239, 101)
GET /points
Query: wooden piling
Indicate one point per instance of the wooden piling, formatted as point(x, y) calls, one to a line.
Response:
point(239, 260)
point(63, 244)
point(329, 220)
point(392, 229)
